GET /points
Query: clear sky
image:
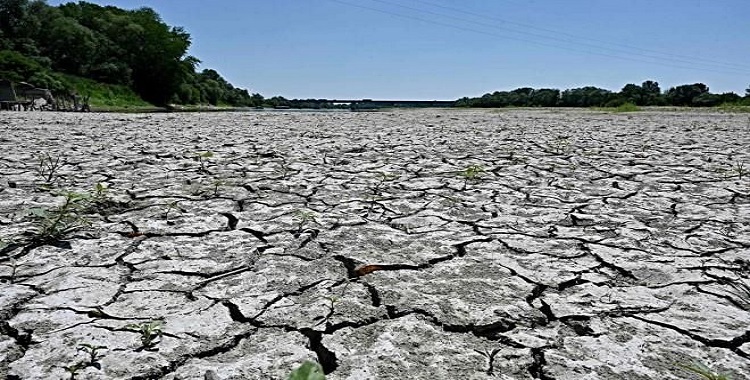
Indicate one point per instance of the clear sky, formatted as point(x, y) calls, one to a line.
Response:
point(446, 49)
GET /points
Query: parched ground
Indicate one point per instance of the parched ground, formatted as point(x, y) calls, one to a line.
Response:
point(431, 244)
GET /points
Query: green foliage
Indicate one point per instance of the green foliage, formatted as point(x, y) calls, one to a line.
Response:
point(151, 332)
point(304, 218)
point(627, 107)
point(52, 81)
point(585, 97)
point(169, 207)
point(17, 67)
point(73, 369)
point(704, 372)
point(202, 158)
point(134, 49)
point(738, 107)
point(473, 172)
point(560, 145)
point(307, 371)
point(624, 107)
point(100, 190)
point(93, 352)
point(54, 224)
point(686, 94)
point(104, 96)
point(647, 94)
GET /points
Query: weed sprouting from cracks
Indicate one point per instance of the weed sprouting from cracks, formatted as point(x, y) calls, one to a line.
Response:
point(54, 224)
point(303, 219)
point(739, 168)
point(704, 372)
point(472, 173)
point(561, 145)
point(151, 333)
point(73, 369)
point(382, 179)
point(307, 371)
point(217, 185)
point(174, 205)
point(48, 167)
point(93, 352)
point(202, 158)
point(100, 192)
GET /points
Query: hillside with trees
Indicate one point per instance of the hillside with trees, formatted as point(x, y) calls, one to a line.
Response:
point(75, 45)
point(647, 94)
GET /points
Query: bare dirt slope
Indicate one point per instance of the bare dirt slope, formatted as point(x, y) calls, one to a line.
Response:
point(431, 244)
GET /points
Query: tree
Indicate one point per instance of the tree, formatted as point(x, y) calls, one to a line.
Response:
point(633, 93)
point(12, 13)
point(585, 97)
point(544, 97)
point(520, 97)
point(651, 93)
point(706, 99)
point(684, 95)
point(71, 46)
point(747, 92)
point(16, 66)
point(728, 97)
point(134, 48)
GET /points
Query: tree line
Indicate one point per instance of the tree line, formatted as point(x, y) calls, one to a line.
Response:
point(647, 94)
point(46, 45)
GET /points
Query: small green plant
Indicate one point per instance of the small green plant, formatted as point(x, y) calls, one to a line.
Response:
point(307, 371)
point(216, 185)
point(472, 173)
point(303, 218)
point(54, 224)
point(739, 168)
point(99, 198)
point(100, 191)
point(723, 171)
point(382, 179)
point(73, 369)
point(332, 300)
point(703, 371)
point(151, 333)
point(93, 352)
point(169, 207)
point(202, 158)
point(48, 167)
point(561, 144)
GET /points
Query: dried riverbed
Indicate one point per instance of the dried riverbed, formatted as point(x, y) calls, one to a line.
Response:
point(431, 244)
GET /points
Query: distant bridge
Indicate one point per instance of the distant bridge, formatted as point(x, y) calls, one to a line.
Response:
point(374, 104)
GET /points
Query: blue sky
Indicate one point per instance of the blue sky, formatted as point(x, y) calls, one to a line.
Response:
point(446, 49)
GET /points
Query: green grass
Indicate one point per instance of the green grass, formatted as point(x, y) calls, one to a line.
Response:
point(703, 372)
point(108, 97)
point(626, 107)
point(734, 107)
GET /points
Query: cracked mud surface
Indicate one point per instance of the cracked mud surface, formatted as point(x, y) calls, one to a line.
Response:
point(412, 244)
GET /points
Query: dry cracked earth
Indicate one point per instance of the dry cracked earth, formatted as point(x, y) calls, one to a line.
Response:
point(431, 244)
